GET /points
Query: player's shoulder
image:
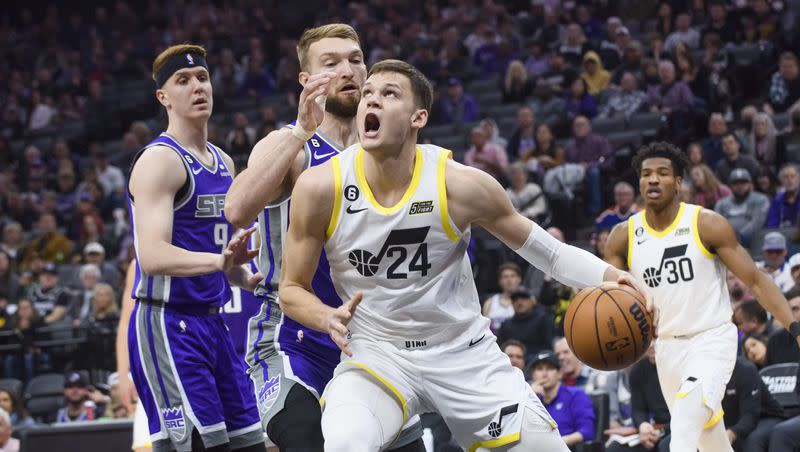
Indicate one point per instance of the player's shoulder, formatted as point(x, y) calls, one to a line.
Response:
point(709, 218)
point(157, 156)
point(316, 180)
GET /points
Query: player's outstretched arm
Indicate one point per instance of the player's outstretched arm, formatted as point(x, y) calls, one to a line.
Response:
point(718, 236)
point(125, 387)
point(276, 160)
point(156, 178)
point(312, 205)
point(477, 198)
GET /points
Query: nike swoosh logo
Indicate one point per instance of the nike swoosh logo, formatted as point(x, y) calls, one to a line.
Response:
point(196, 171)
point(350, 209)
point(471, 343)
point(322, 156)
point(640, 242)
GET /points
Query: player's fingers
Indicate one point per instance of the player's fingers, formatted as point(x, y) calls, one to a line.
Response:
point(354, 302)
point(312, 79)
point(339, 329)
point(253, 280)
point(314, 85)
point(342, 342)
point(252, 254)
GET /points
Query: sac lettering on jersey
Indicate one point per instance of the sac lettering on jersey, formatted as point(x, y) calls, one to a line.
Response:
point(210, 206)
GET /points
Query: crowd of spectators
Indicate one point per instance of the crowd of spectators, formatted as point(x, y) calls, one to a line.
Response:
point(549, 97)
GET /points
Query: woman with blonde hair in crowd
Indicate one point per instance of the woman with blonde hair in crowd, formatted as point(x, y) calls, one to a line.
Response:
point(516, 86)
point(706, 189)
point(104, 304)
point(763, 143)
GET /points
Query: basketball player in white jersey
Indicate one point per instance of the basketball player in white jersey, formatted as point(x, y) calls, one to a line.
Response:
point(289, 364)
point(681, 251)
point(394, 220)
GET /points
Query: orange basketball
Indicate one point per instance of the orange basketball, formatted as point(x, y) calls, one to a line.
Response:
point(608, 326)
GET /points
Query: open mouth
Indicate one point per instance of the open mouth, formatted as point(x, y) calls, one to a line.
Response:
point(200, 101)
point(371, 125)
point(348, 88)
point(654, 193)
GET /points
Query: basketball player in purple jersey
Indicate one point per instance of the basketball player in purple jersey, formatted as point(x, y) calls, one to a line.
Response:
point(188, 377)
point(289, 364)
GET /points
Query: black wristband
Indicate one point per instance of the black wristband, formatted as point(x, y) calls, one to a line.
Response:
point(794, 329)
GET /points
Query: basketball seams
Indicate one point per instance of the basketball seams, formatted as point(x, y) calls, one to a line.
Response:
point(593, 347)
point(635, 295)
point(571, 313)
point(597, 327)
point(624, 317)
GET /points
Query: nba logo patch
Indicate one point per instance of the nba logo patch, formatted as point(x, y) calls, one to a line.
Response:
point(189, 58)
point(173, 420)
point(269, 393)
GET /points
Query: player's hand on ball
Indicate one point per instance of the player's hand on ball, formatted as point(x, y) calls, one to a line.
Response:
point(237, 252)
point(628, 279)
point(338, 320)
point(310, 108)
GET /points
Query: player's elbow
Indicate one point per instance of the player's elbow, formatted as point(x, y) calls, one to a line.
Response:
point(149, 262)
point(236, 212)
point(285, 294)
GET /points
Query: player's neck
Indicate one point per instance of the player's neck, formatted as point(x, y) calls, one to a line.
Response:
point(341, 130)
point(662, 219)
point(389, 171)
point(192, 135)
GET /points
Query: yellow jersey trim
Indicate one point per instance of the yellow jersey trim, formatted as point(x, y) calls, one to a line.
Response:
point(412, 187)
point(138, 446)
point(660, 234)
point(713, 421)
point(630, 240)
point(696, 233)
point(388, 385)
point(491, 444)
point(442, 188)
point(337, 197)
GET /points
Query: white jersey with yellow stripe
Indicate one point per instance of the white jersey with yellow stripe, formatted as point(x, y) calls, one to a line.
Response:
point(409, 260)
point(686, 280)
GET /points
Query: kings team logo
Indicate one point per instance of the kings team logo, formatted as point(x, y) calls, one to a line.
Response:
point(174, 421)
point(269, 393)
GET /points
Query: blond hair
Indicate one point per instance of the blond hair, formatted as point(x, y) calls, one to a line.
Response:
point(112, 307)
point(313, 35)
point(171, 51)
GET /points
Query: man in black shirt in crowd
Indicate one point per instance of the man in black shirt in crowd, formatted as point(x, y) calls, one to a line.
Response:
point(531, 324)
point(753, 320)
point(782, 347)
point(48, 297)
point(649, 410)
point(750, 410)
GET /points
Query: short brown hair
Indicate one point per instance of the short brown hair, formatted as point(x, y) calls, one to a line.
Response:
point(171, 51)
point(420, 86)
point(313, 35)
point(509, 266)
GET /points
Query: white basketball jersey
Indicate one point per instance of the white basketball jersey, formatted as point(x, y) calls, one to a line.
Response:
point(686, 280)
point(409, 260)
